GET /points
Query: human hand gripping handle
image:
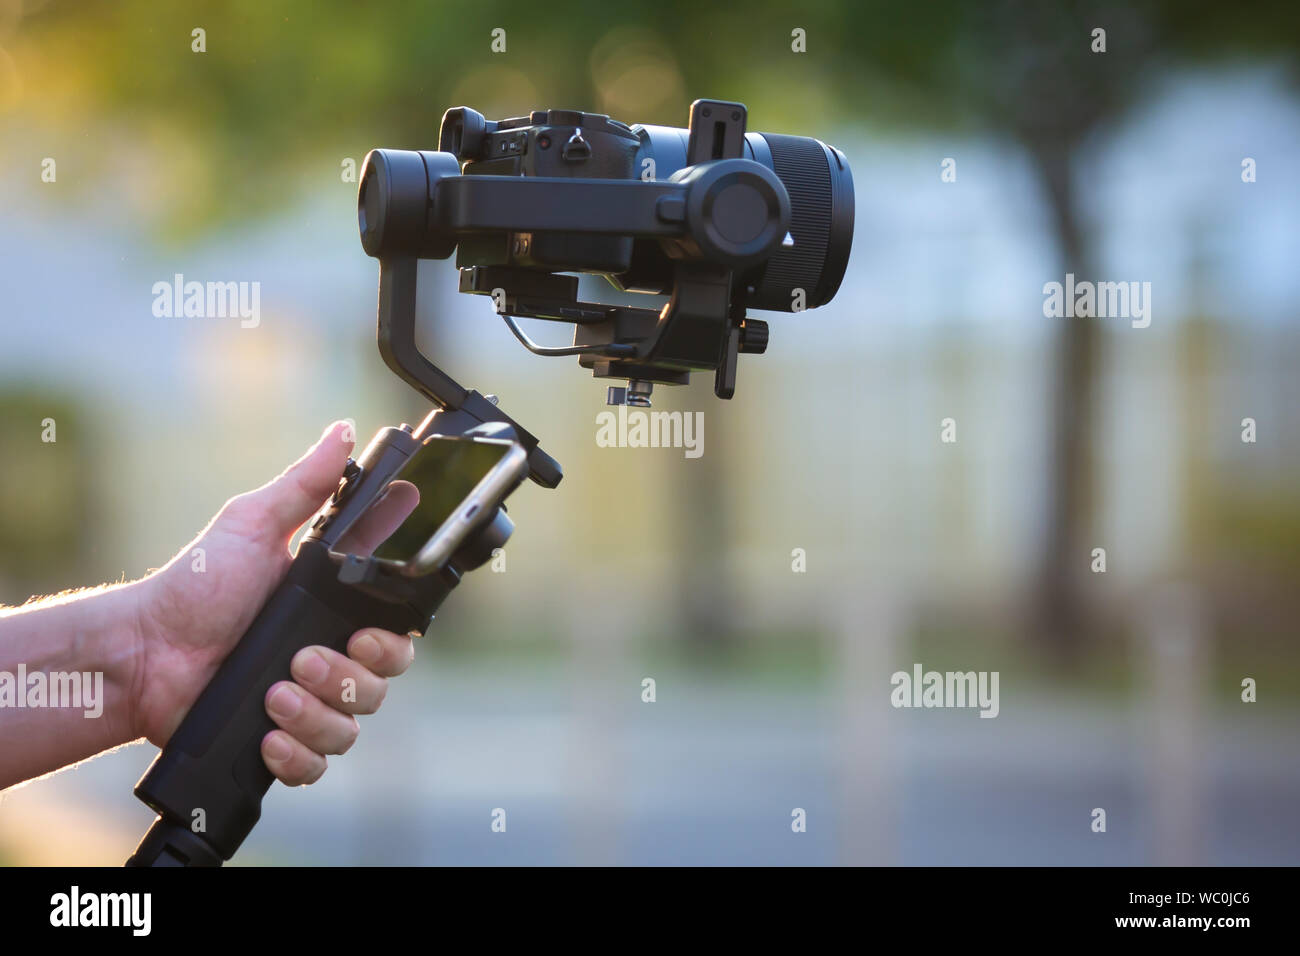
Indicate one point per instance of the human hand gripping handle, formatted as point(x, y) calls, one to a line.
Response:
point(207, 783)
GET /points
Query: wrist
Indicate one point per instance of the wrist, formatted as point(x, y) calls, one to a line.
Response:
point(124, 649)
point(103, 640)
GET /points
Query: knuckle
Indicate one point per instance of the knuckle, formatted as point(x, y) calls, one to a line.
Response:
point(241, 510)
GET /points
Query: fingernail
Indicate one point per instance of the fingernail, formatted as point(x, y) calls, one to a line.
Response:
point(346, 430)
point(278, 749)
point(285, 702)
point(309, 665)
point(366, 649)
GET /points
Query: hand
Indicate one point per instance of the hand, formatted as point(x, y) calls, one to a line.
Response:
point(193, 611)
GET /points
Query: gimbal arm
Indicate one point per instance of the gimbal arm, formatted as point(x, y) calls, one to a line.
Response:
point(731, 212)
point(612, 207)
point(462, 408)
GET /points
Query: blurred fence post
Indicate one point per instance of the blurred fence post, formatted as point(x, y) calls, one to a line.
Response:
point(868, 626)
point(598, 641)
point(1172, 634)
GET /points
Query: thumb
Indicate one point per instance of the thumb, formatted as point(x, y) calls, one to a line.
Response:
point(293, 497)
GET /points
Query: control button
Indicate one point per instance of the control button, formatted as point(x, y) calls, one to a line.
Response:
point(576, 149)
point(351, 475)
point(671, 208)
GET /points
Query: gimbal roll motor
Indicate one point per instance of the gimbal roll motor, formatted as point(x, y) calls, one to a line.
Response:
point(717, 219)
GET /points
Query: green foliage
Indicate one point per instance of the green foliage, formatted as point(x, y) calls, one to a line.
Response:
point(286, 90)
point(45, 491)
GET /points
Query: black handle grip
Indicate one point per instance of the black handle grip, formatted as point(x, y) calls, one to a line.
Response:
point(207, 783)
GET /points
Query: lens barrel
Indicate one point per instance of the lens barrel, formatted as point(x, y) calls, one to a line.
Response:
point(820, 185)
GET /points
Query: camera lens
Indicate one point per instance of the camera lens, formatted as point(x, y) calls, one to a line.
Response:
point(820, 185)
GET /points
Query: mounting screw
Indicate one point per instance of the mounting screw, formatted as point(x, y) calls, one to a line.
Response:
point(637, 393)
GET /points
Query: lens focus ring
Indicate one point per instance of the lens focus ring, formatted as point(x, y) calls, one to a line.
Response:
point(821, 205)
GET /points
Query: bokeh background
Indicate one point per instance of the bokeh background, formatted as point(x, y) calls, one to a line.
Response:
point(1119, 690)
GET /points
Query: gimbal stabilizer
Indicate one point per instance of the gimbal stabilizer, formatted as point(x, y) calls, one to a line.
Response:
point(739, 219)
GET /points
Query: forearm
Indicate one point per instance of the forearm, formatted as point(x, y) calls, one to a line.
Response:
point(67, 665)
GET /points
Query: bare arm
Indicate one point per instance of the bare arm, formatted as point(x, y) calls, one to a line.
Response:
point(143, 651)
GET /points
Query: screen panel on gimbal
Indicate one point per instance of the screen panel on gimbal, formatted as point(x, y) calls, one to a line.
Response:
point(444, 471)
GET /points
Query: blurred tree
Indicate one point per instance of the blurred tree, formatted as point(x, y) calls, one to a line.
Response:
point(1040, 73)
point(47, 514)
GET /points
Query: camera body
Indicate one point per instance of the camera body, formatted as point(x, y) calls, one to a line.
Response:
point(550, 143)
point(573, 144)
